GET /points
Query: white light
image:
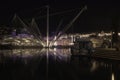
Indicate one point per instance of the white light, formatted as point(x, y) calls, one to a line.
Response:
point(119, 34)
point(55, 43)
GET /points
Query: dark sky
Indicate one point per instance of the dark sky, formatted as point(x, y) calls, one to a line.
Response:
point(98, 16)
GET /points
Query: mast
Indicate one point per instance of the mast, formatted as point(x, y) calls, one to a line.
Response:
point(47, 26)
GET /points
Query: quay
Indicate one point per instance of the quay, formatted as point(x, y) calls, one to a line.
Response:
point(107, 53)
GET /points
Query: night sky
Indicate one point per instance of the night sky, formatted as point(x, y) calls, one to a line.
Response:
point(98, 16)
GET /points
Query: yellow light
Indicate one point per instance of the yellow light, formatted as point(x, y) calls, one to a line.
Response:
point(113, 77)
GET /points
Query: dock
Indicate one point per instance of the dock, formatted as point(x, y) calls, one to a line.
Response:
point(109, 53)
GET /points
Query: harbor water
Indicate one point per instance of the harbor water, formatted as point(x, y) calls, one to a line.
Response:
point(55, 64)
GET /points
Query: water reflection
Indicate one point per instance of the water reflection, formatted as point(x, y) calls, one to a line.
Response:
point(113, 77)
point(54, 64)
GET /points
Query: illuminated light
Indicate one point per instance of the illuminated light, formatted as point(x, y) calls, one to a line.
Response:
point(113, 77)
point(101, 35)
point(119, 34)
point(17, 41)
point(108, 34)
point(55, 52)
point(84, 35)
point(55, 44)
point(27, 41)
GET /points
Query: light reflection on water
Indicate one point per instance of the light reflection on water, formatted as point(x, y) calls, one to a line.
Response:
point(113, 77)
point(56, 63)
point(34, 52)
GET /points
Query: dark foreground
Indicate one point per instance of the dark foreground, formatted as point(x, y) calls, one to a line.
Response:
point(47, 65)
